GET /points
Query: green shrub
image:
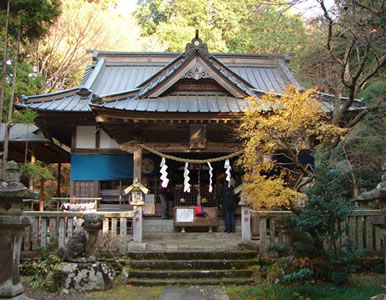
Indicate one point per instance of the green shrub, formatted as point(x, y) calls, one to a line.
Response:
point(329, 203)
point(302, 276)
point(278, 250)
point(39, 268)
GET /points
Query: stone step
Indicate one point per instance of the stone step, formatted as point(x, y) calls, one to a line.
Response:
point(190, 282)
point(186, 274)
point(167, 226)
point(191, 255)
point(212, 264)
point(190, 236)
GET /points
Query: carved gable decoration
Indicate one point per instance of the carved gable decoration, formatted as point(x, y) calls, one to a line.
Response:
point(197, 136)
point(197, 72)
point(195, 64)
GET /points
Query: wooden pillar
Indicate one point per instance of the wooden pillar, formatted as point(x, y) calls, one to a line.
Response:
point(33, 160)
point(41, 201)
point(137, 168)
point(58, 180)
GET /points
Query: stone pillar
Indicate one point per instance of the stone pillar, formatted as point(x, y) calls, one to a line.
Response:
point(11, 236)
point(12, 225)
point(245, 224)
point(137, 225)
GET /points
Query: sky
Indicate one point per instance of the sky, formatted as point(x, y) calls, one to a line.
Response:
point(307, 8)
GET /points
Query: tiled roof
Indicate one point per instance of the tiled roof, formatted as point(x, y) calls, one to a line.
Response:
point(134, 81)
point(268, 79)
point(181, 103)
point(70, 103)
point(116, 78)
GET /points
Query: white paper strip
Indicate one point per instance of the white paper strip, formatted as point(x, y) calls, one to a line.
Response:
point(228, 168)
point(164, 173)
point(210, 177)
point(186, 178)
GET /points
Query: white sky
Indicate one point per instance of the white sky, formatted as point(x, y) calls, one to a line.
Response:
point(127, 6)
point(307, 8)
point(310, 8)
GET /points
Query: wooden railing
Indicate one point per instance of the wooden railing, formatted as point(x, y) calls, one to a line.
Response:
point(361, 232)
point(55, 228)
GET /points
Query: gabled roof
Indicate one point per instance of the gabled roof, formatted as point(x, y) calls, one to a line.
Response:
point(143, 82)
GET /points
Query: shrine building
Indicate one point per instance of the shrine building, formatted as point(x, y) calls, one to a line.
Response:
point(133, 111)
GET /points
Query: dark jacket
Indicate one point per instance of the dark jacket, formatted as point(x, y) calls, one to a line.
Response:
point(227, 198)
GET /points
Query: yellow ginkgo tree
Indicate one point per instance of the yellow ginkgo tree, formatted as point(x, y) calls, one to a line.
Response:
point(289, 125)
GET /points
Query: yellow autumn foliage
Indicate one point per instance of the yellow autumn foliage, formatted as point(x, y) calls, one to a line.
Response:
point(288, 125)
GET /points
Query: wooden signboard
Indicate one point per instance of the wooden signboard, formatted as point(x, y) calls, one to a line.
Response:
point(149, 207)
point(184, 217)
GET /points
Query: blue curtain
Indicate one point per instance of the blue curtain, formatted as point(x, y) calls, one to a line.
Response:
point(101, 167)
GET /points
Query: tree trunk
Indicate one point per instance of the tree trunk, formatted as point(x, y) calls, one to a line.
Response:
point(4, 65)
point(11, 100)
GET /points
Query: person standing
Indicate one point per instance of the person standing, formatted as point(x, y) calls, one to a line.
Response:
point(228, 206)
point(164, 202)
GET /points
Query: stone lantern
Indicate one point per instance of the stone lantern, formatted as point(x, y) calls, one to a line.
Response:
point(12, 225)
point(137, 189)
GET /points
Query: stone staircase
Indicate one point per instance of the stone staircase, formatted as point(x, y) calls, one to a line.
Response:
point(190, 268)
point(196, 257)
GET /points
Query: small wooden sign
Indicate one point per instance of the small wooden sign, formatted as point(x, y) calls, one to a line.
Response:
point(149, 207)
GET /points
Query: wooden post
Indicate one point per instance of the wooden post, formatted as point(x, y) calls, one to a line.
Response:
point(35, 232)
point(106, 237)
point(114, 231)
point(272, 237)
point(263, 233)
point(378, 238)
point(43, 233)
point(360, 220)
point(27, 239)
point(61, 232)
point(52, 226)
point(123, 235)
point(58, 180)
point(137, 168)
point(41, 201)
point(33, 160)
point(70, 227)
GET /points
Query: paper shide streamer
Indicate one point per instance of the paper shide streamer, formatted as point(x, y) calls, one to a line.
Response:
point(164, 173)
point(210, 177)
point(227, 166)
point(186, 178)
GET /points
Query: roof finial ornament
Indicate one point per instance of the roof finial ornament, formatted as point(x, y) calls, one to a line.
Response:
point(197, 45)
